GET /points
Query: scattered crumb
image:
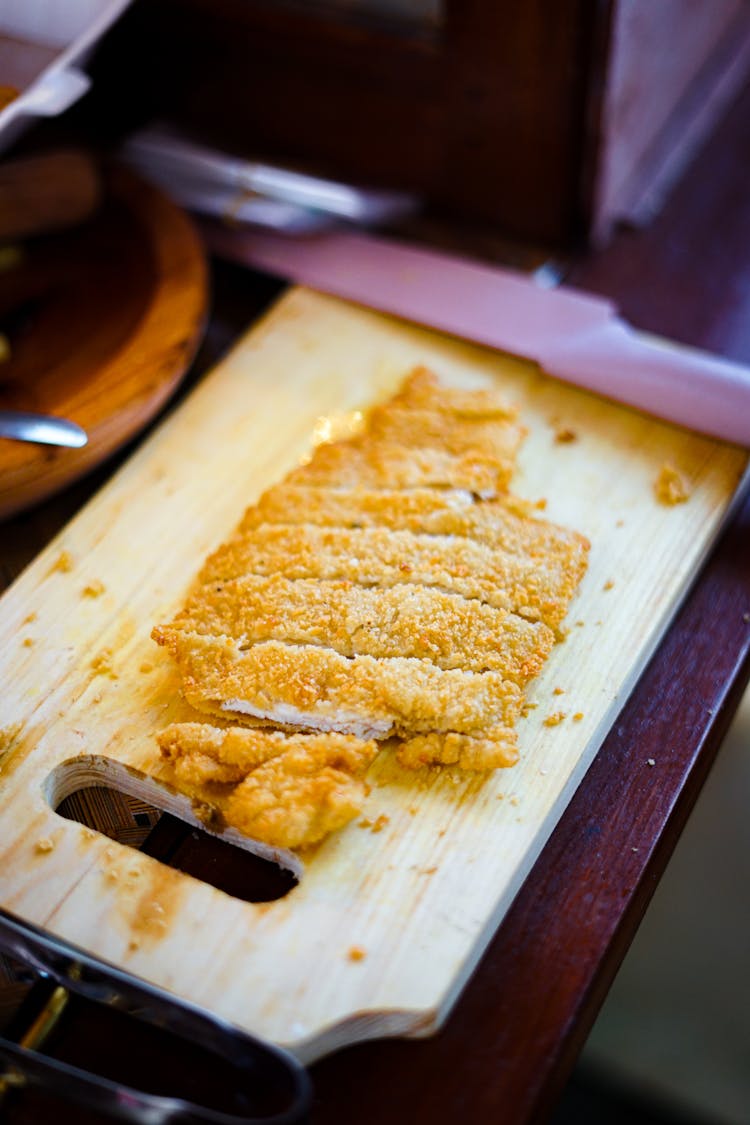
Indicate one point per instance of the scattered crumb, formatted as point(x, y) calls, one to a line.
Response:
point(554, 719)
point(608, 585)
point(514, 802)
point(746, 618)
point(500, 797)
point(94, 589)
point(559, 691)
point(27, 642)
point(543, 772)
point(133, 945)
point(634, 849)
point(44, 845)
point(380, 823)
point(561, 634)
point(429, 870)
point(102, 664)
point(564, 435)
point(442, 831)
point(356, 953)
point(580, 624)
point(413, 810)
point(620, 523)
point(578, 716)
point(526, 708)
point(147, 666)
point(670, 486)
point(29, 618)
point(97, 698)
point(650, 761)
point(541, 504)
point(64, 562)
point(8, 735)
point(599, 622)
point(365, 822)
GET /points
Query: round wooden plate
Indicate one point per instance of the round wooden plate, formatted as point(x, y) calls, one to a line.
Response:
point(103, 322)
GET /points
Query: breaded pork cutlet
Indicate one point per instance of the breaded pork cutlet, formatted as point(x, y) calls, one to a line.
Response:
point(391, 588)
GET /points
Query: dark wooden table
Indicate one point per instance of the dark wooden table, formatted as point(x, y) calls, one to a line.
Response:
point(508, 1047)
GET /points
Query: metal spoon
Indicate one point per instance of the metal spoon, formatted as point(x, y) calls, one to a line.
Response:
point(42, 428)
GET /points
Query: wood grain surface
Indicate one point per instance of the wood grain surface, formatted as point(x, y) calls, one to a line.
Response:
point(86, 689)
point(103, 321)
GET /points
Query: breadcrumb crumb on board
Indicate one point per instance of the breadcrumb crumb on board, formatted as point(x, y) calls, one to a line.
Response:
point(555, 719)
point(93, 589)
point(671, 486)
point(63, 563)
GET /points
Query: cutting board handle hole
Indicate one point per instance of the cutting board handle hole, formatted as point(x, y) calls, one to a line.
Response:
point(130, 820)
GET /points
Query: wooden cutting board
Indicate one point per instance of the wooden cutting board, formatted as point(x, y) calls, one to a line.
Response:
point(84, 688)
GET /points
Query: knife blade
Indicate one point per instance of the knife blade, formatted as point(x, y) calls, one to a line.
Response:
point(573, 336)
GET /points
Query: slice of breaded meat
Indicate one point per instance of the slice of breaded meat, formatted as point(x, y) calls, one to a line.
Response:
point(316, 688)
point(539, 588)
point(425, 436)
point(499, 523)
point(403, 620)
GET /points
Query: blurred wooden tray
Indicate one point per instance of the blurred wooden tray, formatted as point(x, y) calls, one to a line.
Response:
point(103, 322)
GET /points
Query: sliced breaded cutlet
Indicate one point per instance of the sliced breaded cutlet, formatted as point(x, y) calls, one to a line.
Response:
point(390, 588)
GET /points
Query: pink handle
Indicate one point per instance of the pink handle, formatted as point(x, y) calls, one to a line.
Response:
point(573, 336)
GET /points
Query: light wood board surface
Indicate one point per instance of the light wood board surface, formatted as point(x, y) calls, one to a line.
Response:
point(84, 688)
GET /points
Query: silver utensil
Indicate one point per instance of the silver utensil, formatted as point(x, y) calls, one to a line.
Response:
point(20, 425)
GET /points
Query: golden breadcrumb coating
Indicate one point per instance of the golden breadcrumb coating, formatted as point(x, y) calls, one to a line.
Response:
point(381, 557)
point(307, 686)
point(286, 790)
point(406, 620)
point(492, 749)
point(502, 522)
